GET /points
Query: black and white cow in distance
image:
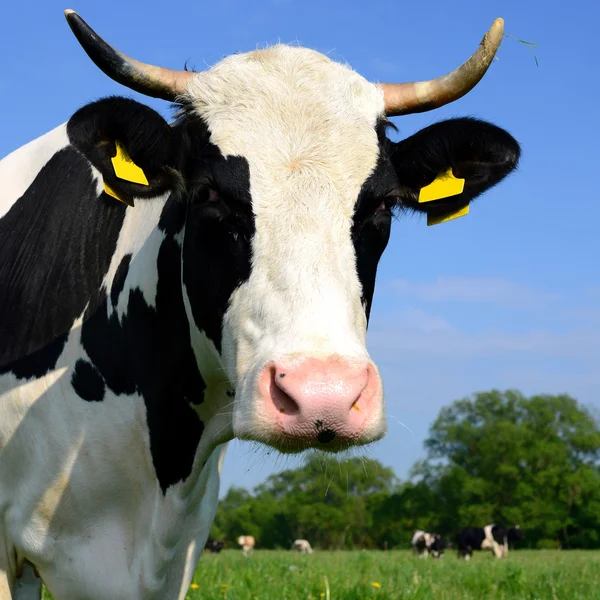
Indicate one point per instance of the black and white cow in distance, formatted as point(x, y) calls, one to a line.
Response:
point(214, 546)
point(492, 537)
point(424, 543)
point(302, 546)
point(229, 299)
point(247, 543)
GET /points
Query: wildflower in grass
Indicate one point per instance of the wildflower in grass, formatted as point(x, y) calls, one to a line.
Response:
point(375, 584)
point(194, 586)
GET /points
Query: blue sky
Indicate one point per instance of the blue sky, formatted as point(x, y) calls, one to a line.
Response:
point(507, 297)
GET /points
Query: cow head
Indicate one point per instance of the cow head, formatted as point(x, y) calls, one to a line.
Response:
point(214, 546)
point(514, 534)
point(286, 182)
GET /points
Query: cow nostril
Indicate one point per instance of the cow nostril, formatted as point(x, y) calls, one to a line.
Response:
point(283, 402)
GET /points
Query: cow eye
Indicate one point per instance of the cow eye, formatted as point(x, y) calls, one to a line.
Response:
point(211, 195)
point(206, 193)
point(389, 201)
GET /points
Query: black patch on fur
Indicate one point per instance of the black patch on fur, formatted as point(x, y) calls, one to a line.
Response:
point(56, 243)
point(87, 382)
point(372, 222)
point(218, 233)
point(38, 363)
point(148, 352)
point(119, 279)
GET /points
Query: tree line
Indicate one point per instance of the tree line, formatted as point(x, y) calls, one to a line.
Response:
point(495, 457)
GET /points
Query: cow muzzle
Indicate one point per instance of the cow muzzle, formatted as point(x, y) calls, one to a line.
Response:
point(329, 403)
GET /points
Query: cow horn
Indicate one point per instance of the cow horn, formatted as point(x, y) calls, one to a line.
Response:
point(421, 96)
point(149, 80)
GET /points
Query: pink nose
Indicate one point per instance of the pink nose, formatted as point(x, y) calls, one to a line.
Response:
point(319, 401)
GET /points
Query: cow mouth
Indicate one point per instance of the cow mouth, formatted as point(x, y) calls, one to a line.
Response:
point(326, 436)
point(326, 439)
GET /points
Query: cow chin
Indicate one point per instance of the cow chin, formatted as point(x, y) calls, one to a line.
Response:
point(299, 403)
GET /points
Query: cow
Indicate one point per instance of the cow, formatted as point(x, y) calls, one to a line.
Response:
point(491, 537)
point(424, 544)
point(168, 287)
point(302, 546)
point(214, 546)
point(247, 542)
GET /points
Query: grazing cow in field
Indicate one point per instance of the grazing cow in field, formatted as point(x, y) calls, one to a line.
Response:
point(302, 546)
point(214, 546)
point(165, 288)
point(424, 544)
point(491, 537)
point(247, 542)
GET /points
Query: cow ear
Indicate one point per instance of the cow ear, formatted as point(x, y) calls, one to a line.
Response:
point(130, 144)
point(446, 165)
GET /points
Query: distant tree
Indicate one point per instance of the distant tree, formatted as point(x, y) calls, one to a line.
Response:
point(325, 501)
point(237, 515)
point(504, 457)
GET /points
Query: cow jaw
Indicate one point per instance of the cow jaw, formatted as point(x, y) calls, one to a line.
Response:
point(294, 332)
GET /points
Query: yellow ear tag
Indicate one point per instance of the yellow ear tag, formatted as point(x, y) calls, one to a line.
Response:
point(114, 194)
point(443, 186)
point(443, 218)
point(125, 168)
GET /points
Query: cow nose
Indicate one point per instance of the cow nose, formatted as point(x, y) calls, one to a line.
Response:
point(321, 400)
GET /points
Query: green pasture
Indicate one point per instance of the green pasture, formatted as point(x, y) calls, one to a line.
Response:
point(284, 575)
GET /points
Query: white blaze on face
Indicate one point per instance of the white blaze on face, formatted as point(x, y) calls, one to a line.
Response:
point(307, 127)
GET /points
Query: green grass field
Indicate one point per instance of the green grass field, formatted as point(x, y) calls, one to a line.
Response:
point(283, 575)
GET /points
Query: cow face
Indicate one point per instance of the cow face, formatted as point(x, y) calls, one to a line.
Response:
point(214, 546)
point(286, 181)
point(289, 214)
